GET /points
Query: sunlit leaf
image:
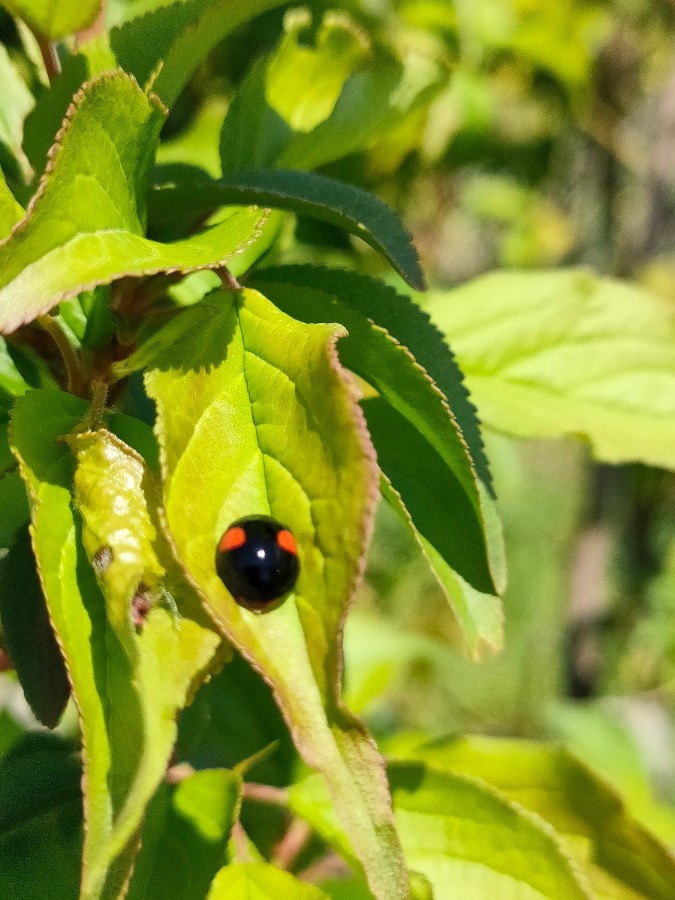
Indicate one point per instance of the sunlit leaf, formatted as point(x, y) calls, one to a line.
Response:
point(429, 472)
point(254, 417)
point(547, 354)
point(406, 323)
point(619, 856)
point(179, 36)
point(303, 83)
point(17, 101)
point(54, 19)
point(373, 101)
point(126, 696)
point(10, 211)
point(85, 224)
point(245, 881)
point(462, 835)
point(45, 119)
point(185, 836)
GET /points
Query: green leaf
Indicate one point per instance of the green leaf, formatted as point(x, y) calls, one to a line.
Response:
point(12, 382)
point(185, 836)
point(371, 103)
point(17, 102)
point(420, 446)
point(612, 848)
point(253, 135)
point(45, 119)
point(417, 483)
point(254, 417)
point(303, 83)
point(85, 224)
point(54, 19)
point(179, 36)
point(306, 193)
point(10, 211)
point(14, 506)
point(407, 324)
point(40, 819)
point(260, 881)
point(459, 833)
point(126, 696)
point(547, 354)
point(7, 461)
point(28, 634)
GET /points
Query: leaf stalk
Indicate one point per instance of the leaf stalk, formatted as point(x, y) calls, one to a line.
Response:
point(74, 373)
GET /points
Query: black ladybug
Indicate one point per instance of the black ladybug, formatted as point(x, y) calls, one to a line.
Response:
point(257, 560)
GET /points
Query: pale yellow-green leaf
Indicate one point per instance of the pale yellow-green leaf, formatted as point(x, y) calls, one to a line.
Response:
point(260, 881)
point(54, 19)
point(463, 836)
point(619, 856)
point(255, 417)
point(303, 83)
point(547, 354)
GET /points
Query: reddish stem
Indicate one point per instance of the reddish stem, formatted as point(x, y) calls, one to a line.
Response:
point(329, 866)
point(291, 845)
point(50, 57)
point(265, 793)
point(240, 844)
point(179, 773)
point(230, 283)
point(97, 27)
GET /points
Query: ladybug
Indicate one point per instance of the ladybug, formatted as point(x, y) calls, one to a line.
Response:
point(257, 560)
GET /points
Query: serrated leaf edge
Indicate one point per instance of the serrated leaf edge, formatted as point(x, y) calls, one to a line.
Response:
point(287, 272)
point(34, 504)
point(482, 645)
point(52, 157)
point(55, 149)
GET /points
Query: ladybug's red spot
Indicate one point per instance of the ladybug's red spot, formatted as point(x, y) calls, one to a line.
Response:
point(232, 539)
point(287, 542)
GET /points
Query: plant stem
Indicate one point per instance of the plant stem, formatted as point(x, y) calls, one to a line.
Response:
point(179, 773)
point(99, 395)
point(265, 793)
point(242, 853)
point(230, 283)
point(329, 866)
point(291, 845)
point(70, 360)
point(49, 56)
point(96, 28)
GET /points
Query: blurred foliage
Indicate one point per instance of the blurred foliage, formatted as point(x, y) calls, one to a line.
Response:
point(552, 144)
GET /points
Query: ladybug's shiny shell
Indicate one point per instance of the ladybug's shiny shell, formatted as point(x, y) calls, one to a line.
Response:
point(257, 560)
